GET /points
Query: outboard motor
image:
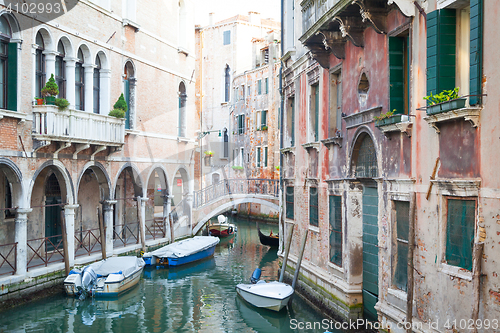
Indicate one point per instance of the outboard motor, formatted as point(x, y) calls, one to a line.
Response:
point(255, 276)
point(89, 277)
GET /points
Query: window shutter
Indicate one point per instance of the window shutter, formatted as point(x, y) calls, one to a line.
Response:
point(293, 124)
point(12, 77)
point(396, 74)
point(264, 118)
point(441, 50)
point(476, 54)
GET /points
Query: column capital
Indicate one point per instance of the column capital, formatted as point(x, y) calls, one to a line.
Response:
point(24, 211)
point(70, 61)
point(71, 208)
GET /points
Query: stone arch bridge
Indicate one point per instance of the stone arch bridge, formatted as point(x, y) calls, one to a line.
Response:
point(229, 193)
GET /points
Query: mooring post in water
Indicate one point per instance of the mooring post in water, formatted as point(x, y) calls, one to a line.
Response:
point(299, 260)
point(411, 246)
point(287, 250)
point(102, 230)
point(476, 281)
point(65, 243)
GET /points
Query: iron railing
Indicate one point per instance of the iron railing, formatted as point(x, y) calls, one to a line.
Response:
point(126, 234)
point(10, 259)
point(236, 186)
point(45, 250)
point(87, 242)
point(156, 229)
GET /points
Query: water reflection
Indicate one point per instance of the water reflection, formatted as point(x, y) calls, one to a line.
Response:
point(199, 297)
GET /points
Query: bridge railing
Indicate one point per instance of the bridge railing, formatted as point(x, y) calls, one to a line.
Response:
point(236, 186)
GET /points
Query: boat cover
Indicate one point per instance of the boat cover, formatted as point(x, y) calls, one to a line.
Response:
point(184, 248)
point(117, 265)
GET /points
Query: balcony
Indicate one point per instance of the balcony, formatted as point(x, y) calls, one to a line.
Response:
point(72, 126)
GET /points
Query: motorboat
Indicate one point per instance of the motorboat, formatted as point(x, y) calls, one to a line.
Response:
point(108, 277)
point(268, 295)
point(222, 228)
point(182, 252)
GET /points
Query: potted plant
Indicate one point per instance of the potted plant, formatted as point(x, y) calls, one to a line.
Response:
point(39, 100)
point(277, 167)
point(50, 91)
point(264, 128)
point(387, 118)
point(62, 103)
point(446, 100)
point(209, 153)
point(120, 108)
point(237, 167)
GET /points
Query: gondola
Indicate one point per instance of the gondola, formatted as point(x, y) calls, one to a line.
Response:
point(271, 240)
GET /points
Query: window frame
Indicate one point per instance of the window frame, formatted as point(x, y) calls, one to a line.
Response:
point(396, 241)
point(331, 229)
point(314, 218)
point(258, 160)
point(80, 85)
point(226, 37)
point(289, 205)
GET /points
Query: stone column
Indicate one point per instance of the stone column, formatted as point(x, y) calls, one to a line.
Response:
point(89, 87)
point(168, 205)
point(105, 79)
point(108, 207)
point(50, 63)
point(70, 81)
point(166, 214)
point(21, 238)
point(189, 201)
point(69, 217)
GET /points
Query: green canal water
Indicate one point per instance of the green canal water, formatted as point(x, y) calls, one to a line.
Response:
point(200, 297)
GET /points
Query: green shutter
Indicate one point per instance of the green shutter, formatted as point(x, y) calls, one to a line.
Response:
point(460, 232)
point(441, 50)
point(265, 156)
point(258, 157)
point(335, 230)
point(12, 77)
point(267, 86)
point(127, 99)
point(289, 202)
point(263, 121)
point(396, 74)
point(476, 54)
point(316, 113)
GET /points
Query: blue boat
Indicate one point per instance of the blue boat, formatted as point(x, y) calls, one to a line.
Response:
point(183, 252)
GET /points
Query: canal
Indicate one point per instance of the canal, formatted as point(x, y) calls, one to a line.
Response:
point(200, 297)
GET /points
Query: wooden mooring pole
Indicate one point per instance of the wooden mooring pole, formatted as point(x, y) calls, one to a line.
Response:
point(102, 230)
point(65, 243)
point(410, 272)
point(477, 253)
point(299, 260)
point(287, 251)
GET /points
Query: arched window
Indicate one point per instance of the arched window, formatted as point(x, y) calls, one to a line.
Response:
point(40, 65)
point(8, 67)
point(364, 158)
point(79, 81)
point(129, 93)
point(60, 72)
point(227, 83)
point(182, 110)
point(97, 84)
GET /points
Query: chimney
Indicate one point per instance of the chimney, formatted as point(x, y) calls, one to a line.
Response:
point(211, 18)
point(254, 18)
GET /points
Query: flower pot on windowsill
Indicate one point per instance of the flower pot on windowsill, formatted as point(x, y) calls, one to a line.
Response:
point(454, 104)
point(39, 101)
point(50, 100)
point(390, 120)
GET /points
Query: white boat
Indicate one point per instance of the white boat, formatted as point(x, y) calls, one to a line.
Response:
point(109, 277)
point(183, 252)
point(268, 295)
point(222, 228)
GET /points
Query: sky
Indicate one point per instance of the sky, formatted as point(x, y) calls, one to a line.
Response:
point(224, 9)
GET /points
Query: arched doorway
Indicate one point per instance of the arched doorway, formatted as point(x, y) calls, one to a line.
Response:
point(126, 220)
point(157, 193)
point(364, 168)
point(10, 197)
point(93, 190)
point(51, 192)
